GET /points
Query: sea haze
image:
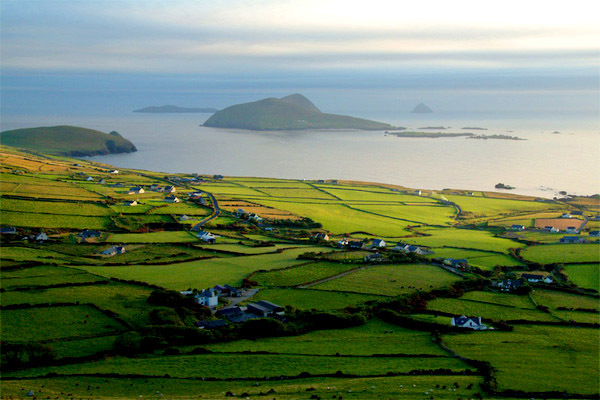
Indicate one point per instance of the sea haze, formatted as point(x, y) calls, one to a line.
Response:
point(542, 165)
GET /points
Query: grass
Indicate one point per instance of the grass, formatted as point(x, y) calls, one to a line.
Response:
point(554, 299)
point(45, 276)
point(308, 299)
point(463, 238)
point(301, 274)
point(51, 221)
point(537, 358)
point(401, 387)
point(42, 255)
point(47, 323)
point(584, 275)
point(375, 337)
point(153, 237)
point(391, 280)
point(56, 207)
point(430, 215)
point(249, 365)
point(204, 273)
point(477, 207)
point(563, 253)
point(496, 312)
point(482, 259)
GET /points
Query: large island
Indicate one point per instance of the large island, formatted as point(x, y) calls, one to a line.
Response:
point(294, 112)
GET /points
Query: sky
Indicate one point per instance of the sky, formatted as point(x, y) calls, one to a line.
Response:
point(136, 50)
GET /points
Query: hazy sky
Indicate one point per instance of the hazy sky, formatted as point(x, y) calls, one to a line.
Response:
point(64, 45)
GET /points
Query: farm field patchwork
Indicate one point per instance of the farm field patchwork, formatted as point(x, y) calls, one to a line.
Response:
point(563, 253)
point(584, 275)
point(391, 280)
point(301, 274)
point(308, 299)
point(463, 238)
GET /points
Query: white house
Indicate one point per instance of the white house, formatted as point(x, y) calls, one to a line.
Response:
point(469, 323)
point(566, 215)
point(206, 237)
point(207, 298)
point(417, 192)
point(41, 237)
point(321, 236)
point(169, 189)
point(378, 243)
point(171, 199)
point(131, 203)
point(114, 171)
point(551, 229)
point(114, 250)
point(89, 179)
point(136, 190)
point(517, 228)
point(571, 229)
point(184, 218)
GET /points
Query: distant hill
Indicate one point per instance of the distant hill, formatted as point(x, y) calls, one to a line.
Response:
point(170, 109)
point(67, 140)
point(294, 112)
point(421, 109)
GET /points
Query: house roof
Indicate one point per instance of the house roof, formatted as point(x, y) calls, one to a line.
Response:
point(229, 311)
point(462, 320)
point(532, 276)
point(269, 305)
point(219, 323)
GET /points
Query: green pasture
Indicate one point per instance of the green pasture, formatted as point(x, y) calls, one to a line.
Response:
point(50, 221)
point(291, 193)
point(64, 191)
point(496, 312)
point(537, 358)
point(375, 337)
point(554, 299)
point(308, 299)
point(248, 365)
point(128, 301)
point(47, 323)
point(41, 255)
point(55, 207)
point(476, 207)
point(46, 276)
point(179, 209)
point(339, 219)
point(154, 253)
point(505, 299)
point(391, 280)
point(247, 248)
point(463, 238)
point(300, 274)
point(153, 237)
point(563, 253)
point(204, 273)
point(483, 259)
point(430, 215)
point(584, 275)
point(121, 208)
point(396, 387)
point(82, 347)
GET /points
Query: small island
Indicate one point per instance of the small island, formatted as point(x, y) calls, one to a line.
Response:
point(170, 109)
point(474, 128)
point(503, 186)
point(495, 137)
point(439, 128)
point(429, 135)
point(421, 109)
point(291, 113)
point(66, 140)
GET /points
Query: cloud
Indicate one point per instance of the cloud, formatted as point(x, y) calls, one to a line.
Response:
point(203, 36)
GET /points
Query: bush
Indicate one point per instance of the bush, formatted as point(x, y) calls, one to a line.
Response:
point(15, 355)
point(263, 327)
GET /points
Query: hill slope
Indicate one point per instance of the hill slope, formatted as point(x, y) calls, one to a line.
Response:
point(170, 109)
point(294, 112)
point(67, 140)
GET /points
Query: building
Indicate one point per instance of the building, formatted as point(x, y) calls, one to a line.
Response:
point(374, 257)
point(169, 189)
point(355, 245)
point(207, 298)
point(265, 308)
point(469, 323)
point(517, 228)
point(508, 285)
point(184, 218)
point(533, 278)
point(89, 179)
point(571, 229)
point(417, 192)
point(551, 229)
point(9, 230)
point(572, 239)
point(342, 242)
point(321, 236)
point(595, 233)
point(378, 243)
point(130, 203)
point(457, 263)
point(219, 323)
point(86, 234)
point(136, 190)
point(114, 250)
point(206, 237)
point(566, 215)
point(41, 237)
point(171, 199)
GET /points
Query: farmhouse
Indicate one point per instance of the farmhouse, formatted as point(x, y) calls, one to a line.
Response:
point(228, 291)
point(375, 257)
point(41, 237)
point(355, 244)
point(114, 171)
point(457, 263)
point(566, 215)
point(595, 233)
point(571, 229)
point(136, 190)
point(231, 313)
point(217, 177)
point(517, 228)
point(255, 217)
point(576, 212)
point(207, 298)
point(468, 322)
point(102, 182)
point(507, 285)
point(169, 189)
point(551, 229)
point(572, 239)
point(533, 278)
point(86, 234)
point(11, 230)
point(130, 203)
point(378, 243)
point(265, 308)
point(171, 199)
point(321, 236)
point(417, 192)
point(342, 242)
point(184, 218)
point(206, 237)
point(114, 250)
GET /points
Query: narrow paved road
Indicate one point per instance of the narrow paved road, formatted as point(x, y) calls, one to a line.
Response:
point(215, 213)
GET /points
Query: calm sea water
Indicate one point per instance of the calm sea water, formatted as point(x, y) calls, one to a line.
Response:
point(542, 165)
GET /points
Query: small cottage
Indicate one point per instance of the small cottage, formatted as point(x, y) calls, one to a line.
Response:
point(207, 298)
point(468, 322)
point(378, 243)
point(136, 190)
point(171, 199)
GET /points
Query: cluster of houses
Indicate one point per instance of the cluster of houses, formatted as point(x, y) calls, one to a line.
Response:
point(167, 189)
point(260, 309)
point(510, 285)
point(241, 213)
point(409, 248)
point(210, 297)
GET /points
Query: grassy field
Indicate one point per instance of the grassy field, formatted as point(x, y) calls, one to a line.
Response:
point(391, 280)
point(308, 299)
point(45, 276)
point(584, 275)
point(401, 387)
point(537, 358)
point(43, 324)
point(468, 239)
point(554, 299)
point(481, 259)
point(204, 273)
point(563, 253)
point(302, 274)
point(42, 221)
point(153, 237)
point(496, 312)
point(56, 207)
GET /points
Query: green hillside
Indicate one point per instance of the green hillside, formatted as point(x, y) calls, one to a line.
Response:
point(67, 140)
point(294, 112)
